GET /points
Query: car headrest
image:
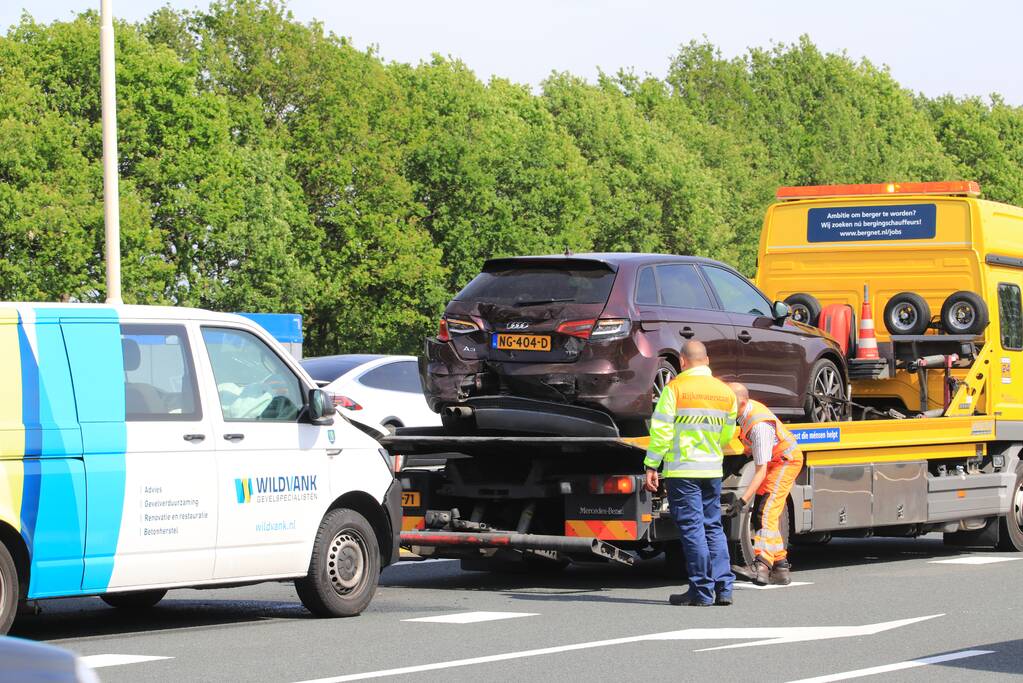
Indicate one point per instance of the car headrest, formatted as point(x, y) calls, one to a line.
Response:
point(132, 354)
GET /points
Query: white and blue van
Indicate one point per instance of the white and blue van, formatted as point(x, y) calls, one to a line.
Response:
point(144, 448)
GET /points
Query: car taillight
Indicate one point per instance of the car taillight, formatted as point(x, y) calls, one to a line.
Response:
point(598, 330)
point(577, 328)
point(450, 326)
point(617, 328)
point(617, 485)
point(345, 402)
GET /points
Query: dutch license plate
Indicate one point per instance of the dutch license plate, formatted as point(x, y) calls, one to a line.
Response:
point(522, 342)
point(410, 499)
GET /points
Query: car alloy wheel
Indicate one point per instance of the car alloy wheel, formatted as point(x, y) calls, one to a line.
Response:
point(665, 373)
point(827, 386)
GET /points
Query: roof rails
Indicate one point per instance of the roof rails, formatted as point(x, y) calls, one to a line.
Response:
point(967, 188)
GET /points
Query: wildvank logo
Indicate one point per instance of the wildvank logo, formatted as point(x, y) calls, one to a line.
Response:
point(245, 489)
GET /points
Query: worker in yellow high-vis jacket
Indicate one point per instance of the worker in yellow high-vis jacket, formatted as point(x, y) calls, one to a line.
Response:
point(693, 421)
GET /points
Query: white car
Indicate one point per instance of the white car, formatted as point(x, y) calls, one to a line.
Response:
point(381, 389)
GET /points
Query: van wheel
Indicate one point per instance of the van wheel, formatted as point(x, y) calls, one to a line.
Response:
point(907, 313)
point(9, 590)
point(825, 394)
point(134, 599)
point(1010, 527)
point(964, 313)
point(805, 308)
point(345, 566)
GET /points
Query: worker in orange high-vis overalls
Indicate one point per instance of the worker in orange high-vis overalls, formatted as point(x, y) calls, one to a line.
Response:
point(778, 461)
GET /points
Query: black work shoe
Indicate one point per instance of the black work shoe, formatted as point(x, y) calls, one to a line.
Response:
point(779, 575)
point(723, 601)
point(761, 572)
point(683, 600)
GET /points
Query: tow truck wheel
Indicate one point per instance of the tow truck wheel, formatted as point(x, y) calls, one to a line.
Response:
point(1010, 527)
point(344, 568)
point(805, 308)
point(8, 590)
point(907, 313)
point(964, 313)
point(134, 599)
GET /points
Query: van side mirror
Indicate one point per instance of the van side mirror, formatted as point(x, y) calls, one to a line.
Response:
point(781, 311)
point(321, 407)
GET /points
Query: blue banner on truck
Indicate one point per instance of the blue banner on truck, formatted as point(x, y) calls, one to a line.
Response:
point(822, 435)
point(868, 223)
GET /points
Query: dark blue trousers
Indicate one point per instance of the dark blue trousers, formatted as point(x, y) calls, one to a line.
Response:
point(696, 507)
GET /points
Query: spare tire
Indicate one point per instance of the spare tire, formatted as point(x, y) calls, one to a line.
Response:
point(805, 308)
point(907, 313)
point(964, 313)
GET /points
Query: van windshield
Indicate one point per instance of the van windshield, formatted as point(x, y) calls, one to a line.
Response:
point(531, 285)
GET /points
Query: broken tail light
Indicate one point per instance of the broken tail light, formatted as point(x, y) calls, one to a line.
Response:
point(450, 326)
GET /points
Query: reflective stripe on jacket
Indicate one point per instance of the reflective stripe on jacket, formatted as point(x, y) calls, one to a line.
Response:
point(785, 448)
point(693, 421)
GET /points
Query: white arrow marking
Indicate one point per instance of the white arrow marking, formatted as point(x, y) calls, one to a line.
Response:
point(900, 666)
point(767, 636)
point(776, 635)
point(100, 661)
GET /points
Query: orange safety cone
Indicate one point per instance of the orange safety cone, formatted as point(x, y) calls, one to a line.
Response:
point(866, 344)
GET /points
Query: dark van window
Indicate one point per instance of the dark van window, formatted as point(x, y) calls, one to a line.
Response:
point(1011, 316)
point(646, 287)
point(736, 294)
point(400, 376)
point(682, 287)
point(159, 380)
point(534, 284)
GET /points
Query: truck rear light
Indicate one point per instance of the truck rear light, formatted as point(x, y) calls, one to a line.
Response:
point(345, 402)
point(397, 463)
point(617, 485)
point(577, 328)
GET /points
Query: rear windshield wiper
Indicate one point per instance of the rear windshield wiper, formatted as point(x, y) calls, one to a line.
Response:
point(542, 301)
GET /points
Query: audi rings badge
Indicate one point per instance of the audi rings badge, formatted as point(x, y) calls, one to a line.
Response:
point(520, 325)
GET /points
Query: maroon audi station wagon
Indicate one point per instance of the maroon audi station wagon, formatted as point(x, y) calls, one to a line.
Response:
point(604, 331)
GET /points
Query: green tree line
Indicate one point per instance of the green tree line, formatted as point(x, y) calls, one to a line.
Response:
point(268, 165)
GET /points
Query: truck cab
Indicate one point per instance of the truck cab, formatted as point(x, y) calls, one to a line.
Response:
point(148, 448)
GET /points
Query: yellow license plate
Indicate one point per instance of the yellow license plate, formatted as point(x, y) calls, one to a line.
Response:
point(410, 499)
point(522, 342)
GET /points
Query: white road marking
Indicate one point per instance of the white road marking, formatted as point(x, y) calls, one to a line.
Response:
point(887, 668)
point(772, 636)
point(766, 588)
point(975, 559)
point(472, 617)
point(100, 661)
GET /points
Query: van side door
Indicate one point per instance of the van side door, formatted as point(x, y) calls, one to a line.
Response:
point(773, 363)
point(272, 464)
point(169, 522)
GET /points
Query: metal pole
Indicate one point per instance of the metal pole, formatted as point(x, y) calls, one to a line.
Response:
point(111, 206)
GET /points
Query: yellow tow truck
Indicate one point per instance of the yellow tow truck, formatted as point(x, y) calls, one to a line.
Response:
point(933, 423)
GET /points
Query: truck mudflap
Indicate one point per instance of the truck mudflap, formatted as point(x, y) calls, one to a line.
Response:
point(516, 541)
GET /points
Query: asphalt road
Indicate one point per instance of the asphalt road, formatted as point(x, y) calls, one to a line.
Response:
point(861, 604)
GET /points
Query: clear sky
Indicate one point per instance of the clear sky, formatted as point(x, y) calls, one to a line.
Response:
point(936, 46)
